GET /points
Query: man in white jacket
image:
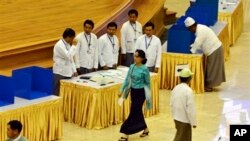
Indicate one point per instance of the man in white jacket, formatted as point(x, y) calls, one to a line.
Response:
point(87, 49)
point(208, 42)
point(183, 107)
point(109, 48)
point(64, 65)
point(151, 45)
point(130, 31)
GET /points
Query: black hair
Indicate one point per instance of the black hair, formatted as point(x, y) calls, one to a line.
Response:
point(133, 11)
point(90, 22)
point(15, 125)
point(69, 32)
point(112, 24)
point(148, 24)
point(142, 55)
point(185, 79)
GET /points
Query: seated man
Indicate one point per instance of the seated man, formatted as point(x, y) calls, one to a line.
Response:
point(14, 129)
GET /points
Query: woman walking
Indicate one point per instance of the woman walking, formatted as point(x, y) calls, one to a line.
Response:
point(138, 82)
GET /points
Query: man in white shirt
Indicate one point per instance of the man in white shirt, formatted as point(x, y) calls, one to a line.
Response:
point(151, 45)
point(87, 49)
point(130, 31)
point(14, 130)
point(183, 107)
point(109, 48)
point(64, 65)
point(207, 41)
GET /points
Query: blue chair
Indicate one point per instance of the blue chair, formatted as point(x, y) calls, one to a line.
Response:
point(179, 39)
point(33, 82)
point(203, 13)
point(6, 91)
point(207, 2)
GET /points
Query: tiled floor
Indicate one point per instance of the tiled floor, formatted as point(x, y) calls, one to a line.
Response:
point(209, 105)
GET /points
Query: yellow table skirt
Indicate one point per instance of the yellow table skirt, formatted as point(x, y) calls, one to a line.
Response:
point(223, 36)
point(235, 22)
point(98, 108)
point(169, 62)
point(41, 122)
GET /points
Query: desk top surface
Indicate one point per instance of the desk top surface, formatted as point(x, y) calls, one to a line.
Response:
point(228, 6)
point(116, 76)
point(20, 102)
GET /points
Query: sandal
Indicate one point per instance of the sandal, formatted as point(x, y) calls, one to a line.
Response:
point(144, 134)
point(123, 139)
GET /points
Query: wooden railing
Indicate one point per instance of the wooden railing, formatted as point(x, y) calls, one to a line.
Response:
point(40, 53)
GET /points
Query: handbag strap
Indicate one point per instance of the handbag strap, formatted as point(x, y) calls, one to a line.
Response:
point(131, 71)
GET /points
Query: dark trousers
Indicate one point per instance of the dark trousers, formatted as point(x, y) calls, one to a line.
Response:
point(135, 121)
point(151, 69)
point(85, 70)
point(56, 83)
point(184, 131)
point(129, 59)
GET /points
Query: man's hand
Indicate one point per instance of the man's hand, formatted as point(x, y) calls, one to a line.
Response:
point(120, 94)
point(74, 43)
point(156, 70)
point(78, 71)
point(115, 66)
point(75, 74)
point(105, 67)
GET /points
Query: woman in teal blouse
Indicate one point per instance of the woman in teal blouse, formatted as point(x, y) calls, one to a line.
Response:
point(138, 79)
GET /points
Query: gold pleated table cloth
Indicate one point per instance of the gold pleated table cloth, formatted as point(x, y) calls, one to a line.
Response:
point(221, 30)
point(223, 36)
point(235, 18)
point(42, 120)
point(169, 62)
point(97, 108)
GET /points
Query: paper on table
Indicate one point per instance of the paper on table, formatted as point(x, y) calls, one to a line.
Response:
point(120, 101)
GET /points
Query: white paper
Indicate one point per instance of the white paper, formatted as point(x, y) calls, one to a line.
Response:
point(120, 101)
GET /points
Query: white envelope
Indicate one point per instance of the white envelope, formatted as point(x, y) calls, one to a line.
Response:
point(120, 101)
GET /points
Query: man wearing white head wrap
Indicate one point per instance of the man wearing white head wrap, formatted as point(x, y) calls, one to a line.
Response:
point(207, 41)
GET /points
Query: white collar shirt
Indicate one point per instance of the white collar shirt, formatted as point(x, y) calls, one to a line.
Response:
point(87, 51)
point(152, 47)
point(206, 40)
point(129, 35)
point(108, 50)
point(63, 57)
point(182, 104)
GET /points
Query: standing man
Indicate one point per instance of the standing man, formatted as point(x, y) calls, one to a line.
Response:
point(109, 48)
point(64, 66)
point(14, 130)
point(130, 31)
point(207, 41)
point(87, 49)
point(183, 107)
point(150, 44)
